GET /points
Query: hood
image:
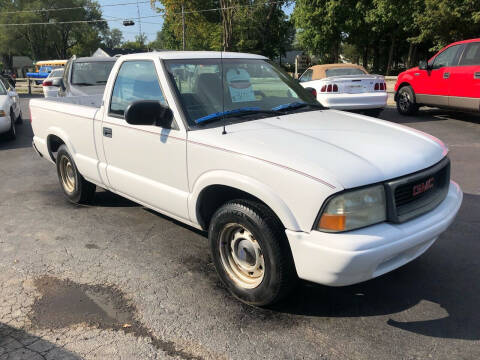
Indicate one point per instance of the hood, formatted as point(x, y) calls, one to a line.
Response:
point(77, 90)
point(343, 149)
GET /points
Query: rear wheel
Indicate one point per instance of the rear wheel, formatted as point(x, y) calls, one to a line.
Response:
point(19, 118)
point(406, 103)
point(251, 252)
point(12, 133)
point(75, 187)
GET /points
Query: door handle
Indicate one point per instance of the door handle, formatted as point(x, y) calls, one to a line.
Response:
point(476, 75)
point(107, 132)
point(446, 75)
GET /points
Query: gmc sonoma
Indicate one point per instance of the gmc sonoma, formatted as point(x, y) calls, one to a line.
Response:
point(228, 143)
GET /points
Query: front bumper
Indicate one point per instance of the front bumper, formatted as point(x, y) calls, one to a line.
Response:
point(359, 255)
point(376, 100)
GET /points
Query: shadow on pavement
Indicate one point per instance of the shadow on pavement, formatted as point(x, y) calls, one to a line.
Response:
point(18, 344)
point(447, 274)
point(428, 115)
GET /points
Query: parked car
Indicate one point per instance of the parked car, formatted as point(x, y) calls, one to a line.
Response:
point(450, 79)
point(85, 76)
point(49, 90)
point(346, 87)
point(283, 187)
point(10, 111)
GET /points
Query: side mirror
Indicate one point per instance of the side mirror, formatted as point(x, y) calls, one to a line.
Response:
point(312, 91)
point(149, 112)
point(58, 82)
point(423, 65)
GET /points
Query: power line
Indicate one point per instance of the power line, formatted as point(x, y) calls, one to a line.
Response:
point(70, 8)
point(142, 17)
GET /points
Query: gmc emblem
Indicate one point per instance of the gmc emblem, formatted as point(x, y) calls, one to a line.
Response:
point(422, 187)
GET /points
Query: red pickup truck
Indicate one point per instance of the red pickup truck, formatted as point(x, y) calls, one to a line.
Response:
point(449, 79)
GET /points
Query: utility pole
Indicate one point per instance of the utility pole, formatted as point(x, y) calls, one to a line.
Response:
point(183, 26)
point(139, 22)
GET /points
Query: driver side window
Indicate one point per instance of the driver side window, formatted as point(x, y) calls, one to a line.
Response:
point(306, 76)
point(136, 80)
point(446, 58)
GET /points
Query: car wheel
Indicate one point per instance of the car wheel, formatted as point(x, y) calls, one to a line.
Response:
point(406, 104)
point(12, 133)
point(373, 112)
point(19, 118)
point(75, 187)
point(251, 253)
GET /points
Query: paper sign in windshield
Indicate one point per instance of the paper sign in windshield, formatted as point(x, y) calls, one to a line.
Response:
point(240, 86)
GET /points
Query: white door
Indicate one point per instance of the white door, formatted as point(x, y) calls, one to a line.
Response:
point(146, 163)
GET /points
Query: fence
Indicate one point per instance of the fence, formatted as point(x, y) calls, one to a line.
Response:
point(28, 86)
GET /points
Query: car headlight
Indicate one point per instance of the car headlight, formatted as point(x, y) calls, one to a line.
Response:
point(354, 209)
point(2, 113)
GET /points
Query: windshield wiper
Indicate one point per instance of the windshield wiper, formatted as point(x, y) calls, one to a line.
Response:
point(83, 84)
point(296, 105)
point(233, 113)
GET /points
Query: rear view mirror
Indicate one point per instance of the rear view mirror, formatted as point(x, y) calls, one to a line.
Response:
point(312, 91)
point(149, 112)
point(423, 65)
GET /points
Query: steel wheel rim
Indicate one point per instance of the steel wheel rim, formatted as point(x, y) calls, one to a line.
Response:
point(241, 256)
point(404, 100)
point(67, 174)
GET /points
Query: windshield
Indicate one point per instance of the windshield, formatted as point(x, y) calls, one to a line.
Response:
point(56, 73)
point(253, 87)
point(344, 71)
point(91, 73)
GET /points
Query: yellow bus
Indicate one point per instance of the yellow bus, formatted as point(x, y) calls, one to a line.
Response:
point(52, 63)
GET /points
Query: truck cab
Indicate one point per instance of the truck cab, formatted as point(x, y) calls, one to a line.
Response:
point(450, 79)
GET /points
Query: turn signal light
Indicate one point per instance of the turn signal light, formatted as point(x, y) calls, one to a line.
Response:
point(47, 83)
point(333, 222)
point(380, 86)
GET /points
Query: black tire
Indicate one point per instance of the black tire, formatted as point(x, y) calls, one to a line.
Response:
point(12, 133)
point(406, 102)
point(279, 275)
point(373, 112)
point(19, 118)
point(80, 190)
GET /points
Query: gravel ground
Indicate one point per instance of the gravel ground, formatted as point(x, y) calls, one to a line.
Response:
point(117, 281)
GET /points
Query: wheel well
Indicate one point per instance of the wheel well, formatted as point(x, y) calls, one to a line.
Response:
point(399, 87)
point(214, 196)
point(53, 143)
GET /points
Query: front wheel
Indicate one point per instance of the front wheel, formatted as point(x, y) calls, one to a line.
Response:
point(12, 133)
point(75, 187)
point(406, 103)
point(251, 253)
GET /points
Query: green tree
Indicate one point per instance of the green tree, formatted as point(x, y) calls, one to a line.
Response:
point(53, 38)
point(321, 26)
point(112, 38)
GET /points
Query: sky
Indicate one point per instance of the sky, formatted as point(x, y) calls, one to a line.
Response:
point(150, 26)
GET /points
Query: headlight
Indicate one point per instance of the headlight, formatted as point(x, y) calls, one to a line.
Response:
point(354, 209)
point(2, 113)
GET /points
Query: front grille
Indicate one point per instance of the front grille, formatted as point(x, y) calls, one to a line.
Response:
point(415, 194)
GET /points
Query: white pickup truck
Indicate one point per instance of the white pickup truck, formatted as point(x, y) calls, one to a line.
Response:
point(230, 144)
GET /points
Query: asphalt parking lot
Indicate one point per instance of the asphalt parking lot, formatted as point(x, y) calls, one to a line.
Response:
point(117, 281)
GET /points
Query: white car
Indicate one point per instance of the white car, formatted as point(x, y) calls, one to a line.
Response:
point(10, 111)
point(346, 87)
point(49, 88)
point(283, 187)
